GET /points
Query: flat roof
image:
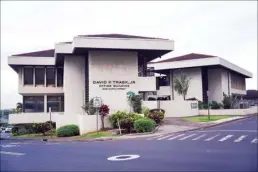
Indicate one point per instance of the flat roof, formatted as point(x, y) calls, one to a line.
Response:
point(197, 60)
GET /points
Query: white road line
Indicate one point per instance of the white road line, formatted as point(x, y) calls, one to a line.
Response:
point(155, 137)
point(225, 138)
point(165, 137)
point(240, 138)
point(203, 135)
point(254, 141)
point(213, 137)
point(11, 153)
point(172, 138)
point(187, 136)
point(249, 131)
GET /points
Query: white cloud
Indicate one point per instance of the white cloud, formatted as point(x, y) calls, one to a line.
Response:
point(223, 28)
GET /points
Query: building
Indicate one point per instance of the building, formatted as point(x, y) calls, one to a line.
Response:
point(108, 66)
point(252, 97)
point(211, 77)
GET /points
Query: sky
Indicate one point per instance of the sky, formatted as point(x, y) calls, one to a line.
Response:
point(227, 29)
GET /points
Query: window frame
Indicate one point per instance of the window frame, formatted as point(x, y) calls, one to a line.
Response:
point(44, 83)
point(33, 76)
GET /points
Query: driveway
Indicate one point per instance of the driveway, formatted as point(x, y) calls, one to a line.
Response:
point(193, 151)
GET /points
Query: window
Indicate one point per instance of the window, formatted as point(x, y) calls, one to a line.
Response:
point(164, 81)
point(60, 77)
point(28, 76)
point(56, 103)
point(33, 103)
point(40, 76)
point(51, 77)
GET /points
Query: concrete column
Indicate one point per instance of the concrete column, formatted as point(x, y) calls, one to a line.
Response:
point(45, 103)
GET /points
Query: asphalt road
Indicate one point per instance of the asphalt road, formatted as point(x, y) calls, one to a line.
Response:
point(230, 147)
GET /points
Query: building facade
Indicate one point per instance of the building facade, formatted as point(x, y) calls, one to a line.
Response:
point(108, 66)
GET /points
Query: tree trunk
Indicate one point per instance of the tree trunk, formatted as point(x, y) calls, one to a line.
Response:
point(102, 122)
point(184, 97)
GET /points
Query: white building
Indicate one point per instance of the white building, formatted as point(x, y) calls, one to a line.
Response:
point(108, 66)
point(208, 73)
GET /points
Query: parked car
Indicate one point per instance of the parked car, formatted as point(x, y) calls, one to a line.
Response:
point(8, 129)
point(2, 129)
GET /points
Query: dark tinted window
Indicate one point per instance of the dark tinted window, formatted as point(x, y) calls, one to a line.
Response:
point(33, 103)
point(60, 77)
point(56, 103)
point(40, 76)
point(51, 77)
point(28, 76)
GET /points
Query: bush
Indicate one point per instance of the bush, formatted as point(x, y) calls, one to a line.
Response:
point(145, 111)
point(144, 125)
point(136, 103)
point(202, 105)
point(228, 102)
point(119, 115)
point(127, 123)
point(157, 115)
point(67, 130)
point(215, 105)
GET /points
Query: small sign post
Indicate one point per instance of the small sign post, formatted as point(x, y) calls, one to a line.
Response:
point(208, 92)
point(97, 102)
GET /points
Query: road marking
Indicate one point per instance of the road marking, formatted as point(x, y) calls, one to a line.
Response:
point(240, 138)
point(225, 138)
point(250, 131)
point(155, 137)
point(255, 141)
point(212, 137)
point(123, 157)
point(172, 138)
point(11, 153)
point(187, 136)
point(8, 146)
point(165, 137)
point(15, 143)
point(199, 137)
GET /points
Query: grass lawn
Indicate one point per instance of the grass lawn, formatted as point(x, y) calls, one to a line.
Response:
point(205, 118)
point(36, 135)
point(95, 135)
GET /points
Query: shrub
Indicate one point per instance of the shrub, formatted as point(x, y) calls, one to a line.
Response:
point(127, 123)
point(89, 109)
point(202, 105)
point(103, 111)
point(119, 115)
point(135, 102)
point(144, 125)
point(228, 102)
point(145, 110)
point(67, 130)
point(157, 115)
point(215, 105)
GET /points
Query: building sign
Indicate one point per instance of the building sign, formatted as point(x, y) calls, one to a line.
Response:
point(97, 102)
point(114, 84)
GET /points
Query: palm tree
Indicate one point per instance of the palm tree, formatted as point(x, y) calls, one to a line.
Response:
point(181, 85)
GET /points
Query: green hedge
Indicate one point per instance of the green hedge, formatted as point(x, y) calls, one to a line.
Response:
point(67, 130)
point(144, 125)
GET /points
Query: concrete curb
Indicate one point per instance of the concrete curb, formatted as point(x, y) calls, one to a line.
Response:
point(213, 125)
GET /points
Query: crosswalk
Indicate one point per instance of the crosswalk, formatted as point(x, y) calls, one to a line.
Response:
point(220, 137)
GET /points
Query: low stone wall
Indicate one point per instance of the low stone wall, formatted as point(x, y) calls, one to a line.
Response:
point(250, 110)
point(175, 108)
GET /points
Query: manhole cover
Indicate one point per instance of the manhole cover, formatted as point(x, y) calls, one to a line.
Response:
point(123, 157)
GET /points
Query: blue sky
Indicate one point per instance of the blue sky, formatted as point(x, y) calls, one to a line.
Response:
point(223, 28)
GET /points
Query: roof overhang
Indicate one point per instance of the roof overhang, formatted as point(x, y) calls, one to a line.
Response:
point(213, 61)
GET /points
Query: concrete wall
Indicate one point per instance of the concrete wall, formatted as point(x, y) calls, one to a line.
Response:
point(88, 123)
point(225, 82)
point(248, 111)
point(113, 66)
point(146, 83)
point(195, 88)
point(21, 118)
point(74, 87)
point(215, 85)
point(174, 108)
point(164, 90)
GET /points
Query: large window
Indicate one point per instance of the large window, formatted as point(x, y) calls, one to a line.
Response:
point(33, 103)
point(56, 103)
point(60, 76)
point(40, 76)
point(163, 80)
point(51, 77)
point(28, 76)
